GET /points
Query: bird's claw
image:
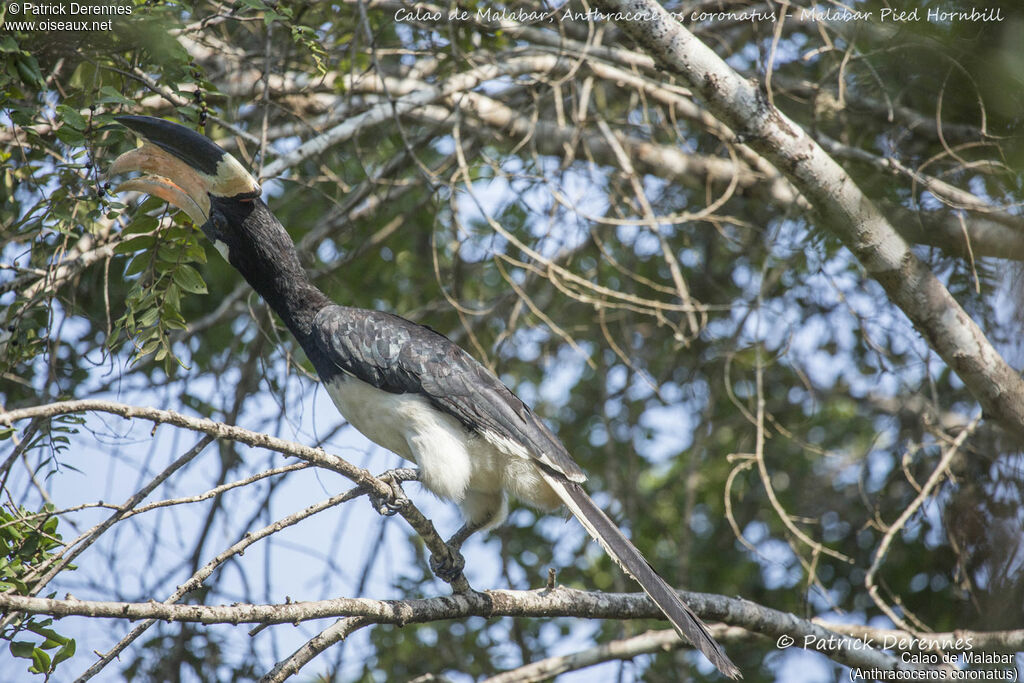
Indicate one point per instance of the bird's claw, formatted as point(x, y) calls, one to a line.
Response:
point(450, 566)
point(387, 508)
point(389, 505)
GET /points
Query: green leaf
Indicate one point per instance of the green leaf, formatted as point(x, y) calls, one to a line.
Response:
point(40, 661)
point(71, 117)
point(178, 233)
point(141, 223)
point(28, 70)
point(149, 347)
point(172, 298)
point(138, 264)
point(53, 639)
point(168, 253)
point(70, 136)
point(32, 543)
point(189, 279)
point(195, 252)
point(109, 95)
point(130, 246)
point(22, 648)
point(149, 317)
point(66, 652)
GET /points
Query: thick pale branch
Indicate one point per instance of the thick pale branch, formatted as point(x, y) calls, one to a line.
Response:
point(840, 205)
point(859, 649)
point(315, 456)
point(453, 84)
point(979, 236)
point(559, 601)
point(198, 578)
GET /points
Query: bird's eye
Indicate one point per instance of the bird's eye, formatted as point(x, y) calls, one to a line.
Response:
point(219, 222)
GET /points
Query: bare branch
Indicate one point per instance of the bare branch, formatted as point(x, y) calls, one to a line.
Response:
point(856, 650)
point(882, 549)
point(315, 456)
point(840, 205)
point(292, 664)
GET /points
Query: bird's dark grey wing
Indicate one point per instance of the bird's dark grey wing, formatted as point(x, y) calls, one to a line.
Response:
point(401, 357)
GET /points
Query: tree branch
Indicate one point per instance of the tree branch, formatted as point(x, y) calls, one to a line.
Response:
point(853, 646)
point(315, 456)
point(840, 206)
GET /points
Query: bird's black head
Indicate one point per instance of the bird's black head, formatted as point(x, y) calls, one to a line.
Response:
point(189, 171)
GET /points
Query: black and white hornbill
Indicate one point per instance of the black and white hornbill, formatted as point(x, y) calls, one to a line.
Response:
point(404, 386)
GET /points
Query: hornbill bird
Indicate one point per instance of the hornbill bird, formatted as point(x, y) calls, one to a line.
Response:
point(404, 386)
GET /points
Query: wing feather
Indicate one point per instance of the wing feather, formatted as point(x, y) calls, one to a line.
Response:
point(399, 356)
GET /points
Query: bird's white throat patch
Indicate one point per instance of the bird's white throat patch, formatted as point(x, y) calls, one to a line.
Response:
point(222, 248)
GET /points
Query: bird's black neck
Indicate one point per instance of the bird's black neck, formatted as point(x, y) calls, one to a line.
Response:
point(263, 252)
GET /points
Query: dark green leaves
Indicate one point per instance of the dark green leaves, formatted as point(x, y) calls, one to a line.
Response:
point(44, 662)
point(160, 271)
point(29, 542)
point(189, 279)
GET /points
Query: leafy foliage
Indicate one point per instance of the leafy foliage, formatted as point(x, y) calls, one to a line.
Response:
point(161, 271)
point(755, 411)
point(28, 544)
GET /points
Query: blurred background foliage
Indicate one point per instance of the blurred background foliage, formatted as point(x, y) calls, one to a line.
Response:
point(502, 213)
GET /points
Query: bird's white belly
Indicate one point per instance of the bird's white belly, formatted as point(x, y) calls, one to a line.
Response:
point(380, 416)
point(448, 456)
point(455, 464)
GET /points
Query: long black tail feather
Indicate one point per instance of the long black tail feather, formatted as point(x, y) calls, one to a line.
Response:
point(626, 555)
